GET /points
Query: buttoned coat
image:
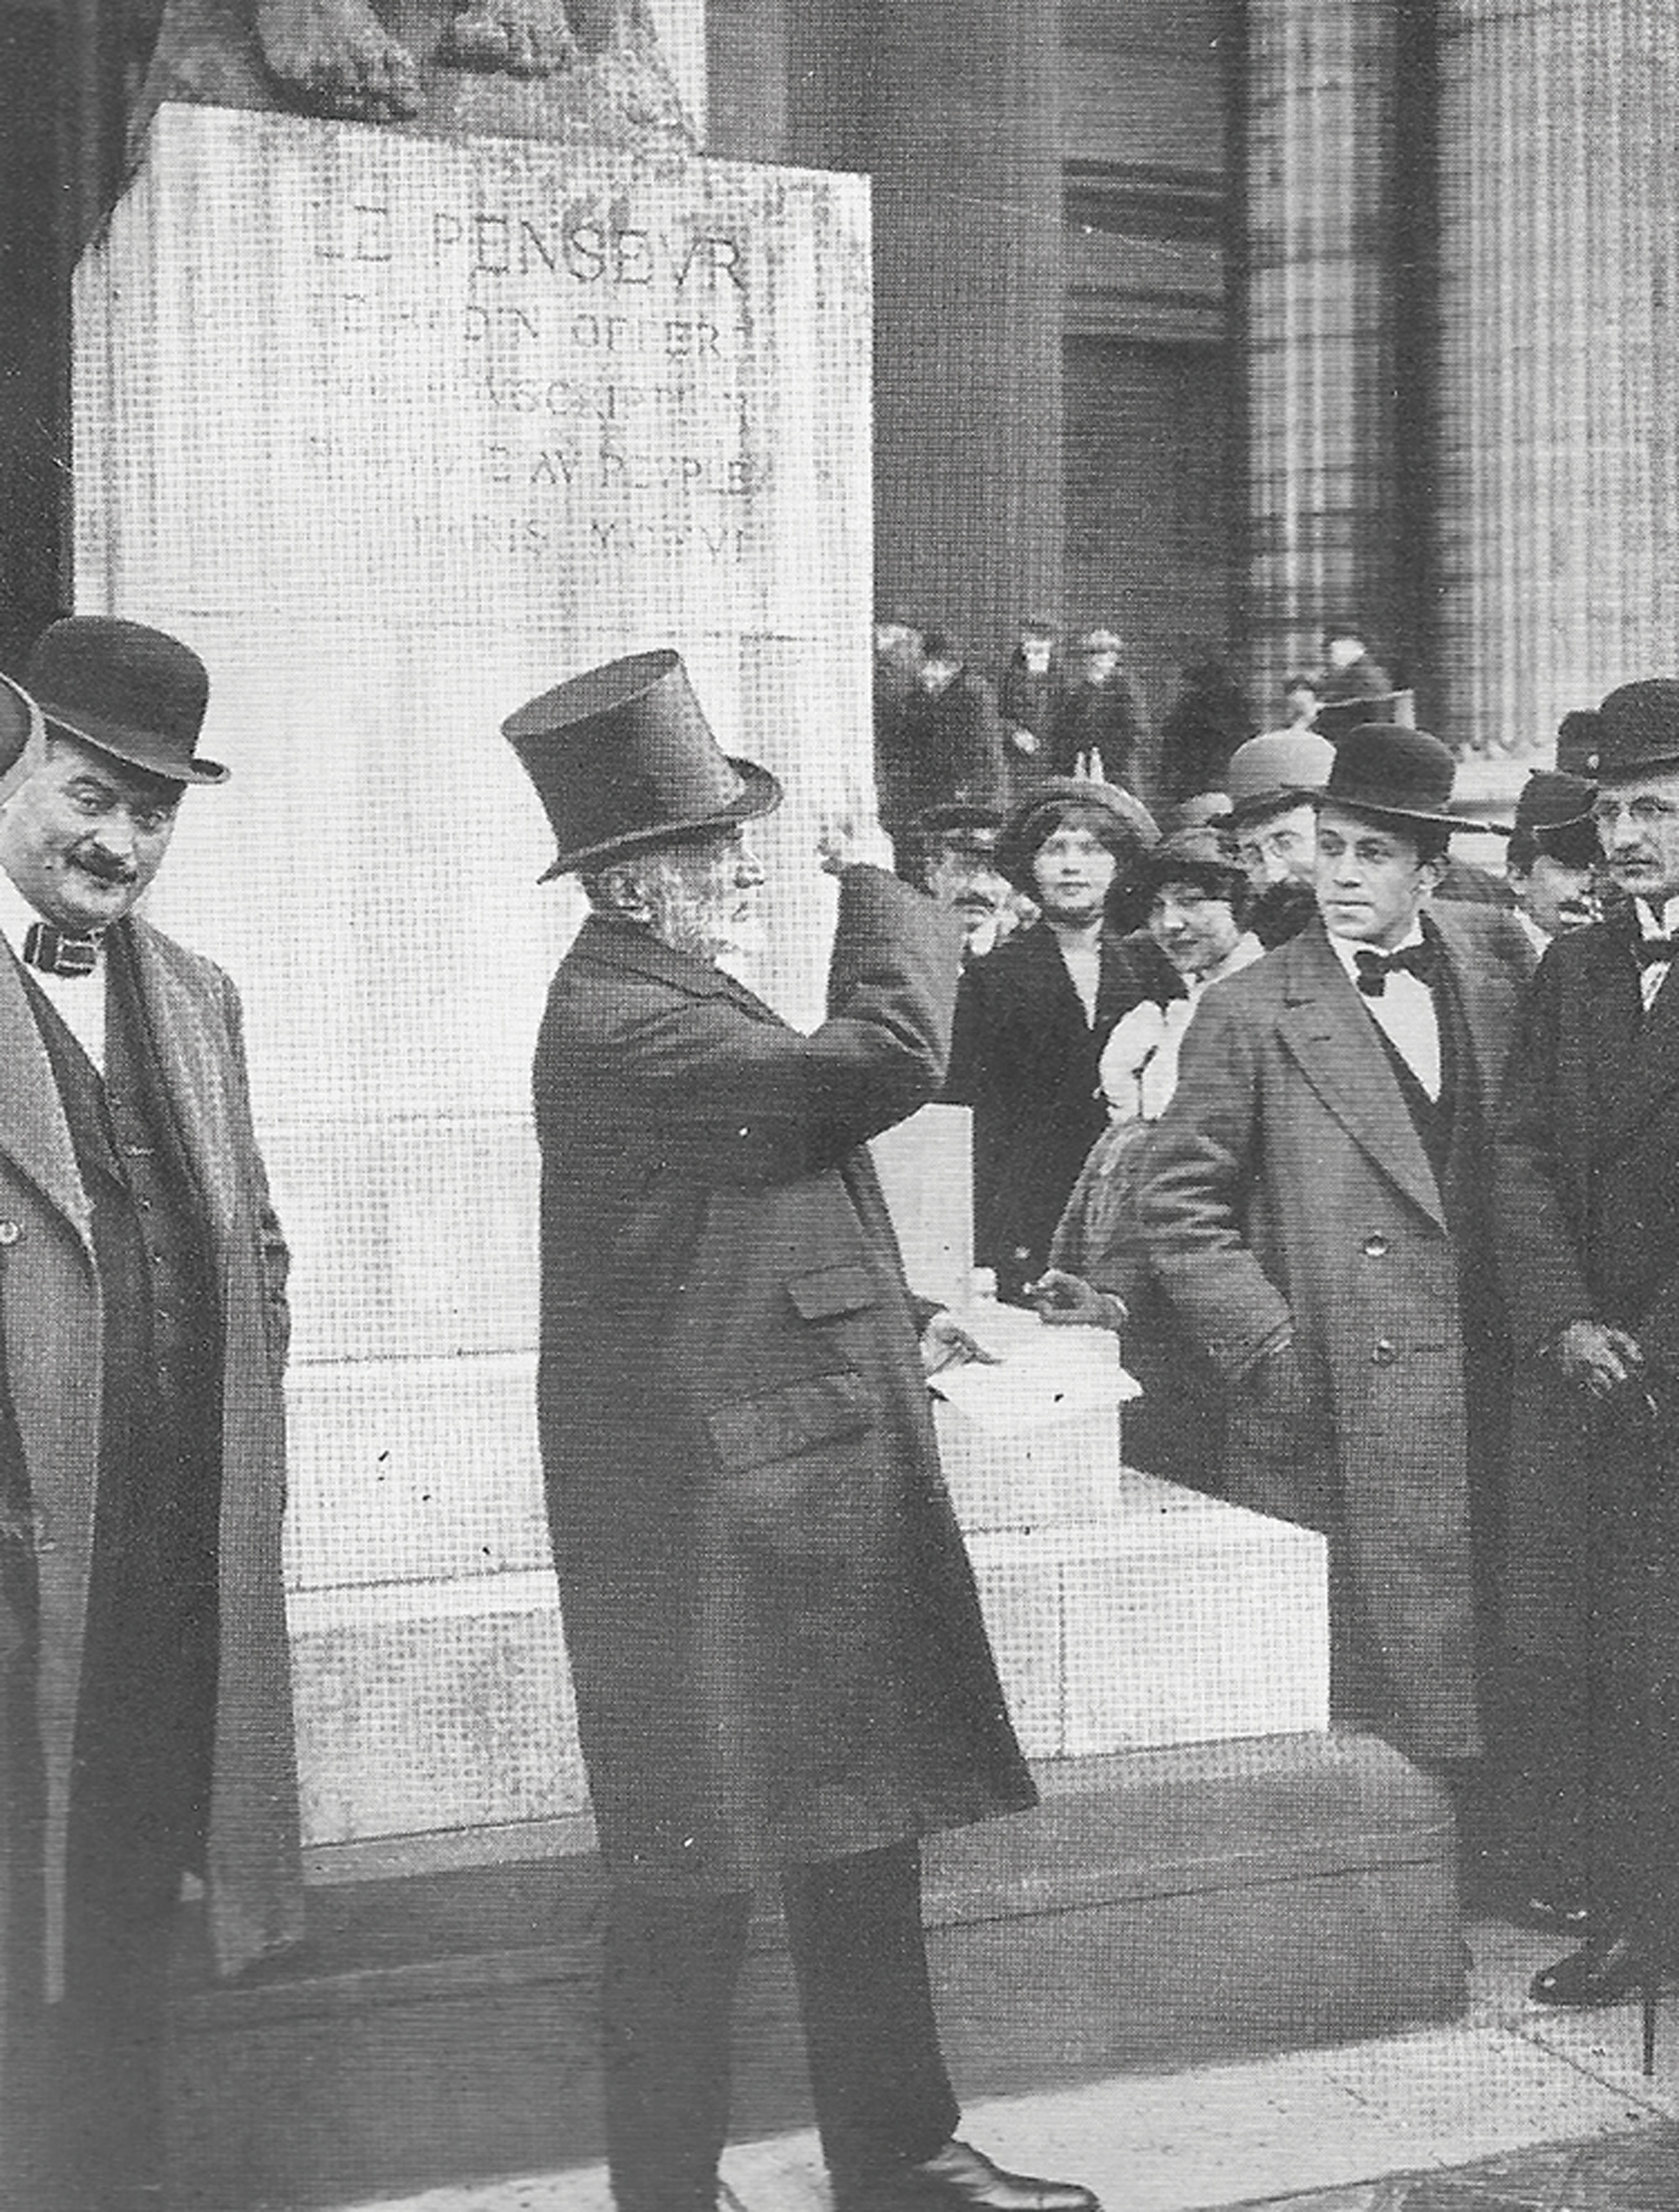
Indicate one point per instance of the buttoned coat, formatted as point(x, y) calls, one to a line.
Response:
point(1028, 1062)
point(1289, 1199)
point(775, 1636)
point(51, 1293)
point(1588, 1209)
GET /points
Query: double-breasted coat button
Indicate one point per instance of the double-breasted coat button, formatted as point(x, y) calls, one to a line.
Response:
point(1376, 1246)
point(10, 1231)
point(1383, 1353)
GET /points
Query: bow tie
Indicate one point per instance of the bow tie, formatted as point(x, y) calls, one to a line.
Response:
point(1422, 960)
point(59, 951)
point(1655, 951)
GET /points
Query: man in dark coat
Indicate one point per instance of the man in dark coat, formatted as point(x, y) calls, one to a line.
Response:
point(781, 1666)
point(950, 743)
point(1099, 726)
point(1028, 694)
point(145, 1691)
point(1032, 1016)
point(1588, 1213)
point(1315, 1207)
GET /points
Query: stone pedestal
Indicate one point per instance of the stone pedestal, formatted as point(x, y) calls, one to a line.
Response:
point(1126, 1613)
point(397, 432)
point(1559, 333)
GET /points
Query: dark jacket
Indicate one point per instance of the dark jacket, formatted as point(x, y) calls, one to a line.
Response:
point(1201, 728)
point(1099, 719)
point(1289, 1200)
point(775, 1638)
point(949, 748)
point(1027, 1061)
point(1588, 1219)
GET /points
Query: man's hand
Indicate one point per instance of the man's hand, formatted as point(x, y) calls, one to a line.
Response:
point(851, 832)
point(945, 1343)
point(1070, 1302)
point(1599, 1358)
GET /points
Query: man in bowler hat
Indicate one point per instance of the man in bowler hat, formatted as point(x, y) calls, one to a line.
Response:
point(1552, 858)
point(145, 1708)
point(781, 1671)
point(1316, 1209)
point(1587, 1215)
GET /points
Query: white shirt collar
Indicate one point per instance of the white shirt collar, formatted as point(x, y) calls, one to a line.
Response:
point(1650, 924)
point(17, 913)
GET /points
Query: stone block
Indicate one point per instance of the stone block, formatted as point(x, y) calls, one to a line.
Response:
point(1037, 1439)
point(432, 1706)
point(414, 1470)
point(1188, 1621)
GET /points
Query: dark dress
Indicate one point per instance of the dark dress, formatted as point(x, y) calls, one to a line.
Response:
point(1027, 1061)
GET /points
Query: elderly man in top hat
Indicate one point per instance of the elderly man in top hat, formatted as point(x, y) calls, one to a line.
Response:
point(781, 1671)
point(1588, 1214)
point(147, 1724)
point(1316, 1209)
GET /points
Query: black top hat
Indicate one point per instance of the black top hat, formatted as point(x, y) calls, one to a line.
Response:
point(1383, 768)
point(1638, 727)
point(622, 757)
point(132, 692)
point(19, 718)
point(1029, 824)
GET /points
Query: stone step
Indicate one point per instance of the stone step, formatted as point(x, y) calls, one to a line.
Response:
point(1159, 1909)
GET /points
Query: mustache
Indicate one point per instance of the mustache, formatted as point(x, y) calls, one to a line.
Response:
point(93, 862)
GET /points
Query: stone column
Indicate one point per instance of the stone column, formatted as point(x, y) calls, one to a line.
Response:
point(1320, 127)
point(963, 120)
point(1558, 521)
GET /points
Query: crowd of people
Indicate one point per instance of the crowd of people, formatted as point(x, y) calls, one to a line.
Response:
point(1370, 1152)
point(1371, 1155)
point(947, 734)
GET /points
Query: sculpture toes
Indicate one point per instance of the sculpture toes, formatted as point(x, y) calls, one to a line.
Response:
point(476, 39)
point(481, 38)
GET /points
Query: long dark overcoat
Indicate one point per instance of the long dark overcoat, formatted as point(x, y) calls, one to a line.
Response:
point(773, 1627)
point(1288, 1195)
point(1028, 1062)
point(50, 1286)
point(1588, 1209)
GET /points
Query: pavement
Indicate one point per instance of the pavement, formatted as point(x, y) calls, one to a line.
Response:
point(1513, 2108)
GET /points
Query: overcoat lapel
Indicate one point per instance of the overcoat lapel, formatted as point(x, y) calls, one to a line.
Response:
point(33, 1127)
point(192, 1056)
point(1335, 1045)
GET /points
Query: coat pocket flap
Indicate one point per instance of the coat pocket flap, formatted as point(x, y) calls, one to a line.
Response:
point(784, 1423)
point(825, 1292)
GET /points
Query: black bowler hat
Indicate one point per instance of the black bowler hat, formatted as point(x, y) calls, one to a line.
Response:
point(1384, 768)
point(20, 718)
point(127, 690)
point(1638, 727)
point(622, 757)
point(1554, 809)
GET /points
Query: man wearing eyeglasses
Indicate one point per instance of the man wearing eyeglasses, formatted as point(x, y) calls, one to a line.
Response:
point(1588, 1216)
